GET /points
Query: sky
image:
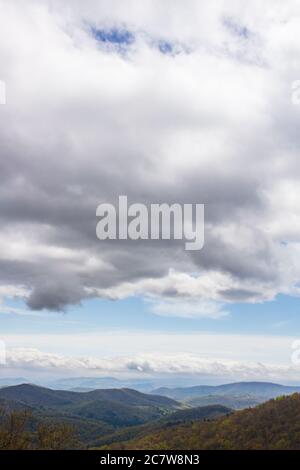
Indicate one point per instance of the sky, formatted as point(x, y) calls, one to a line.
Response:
point(164, 102)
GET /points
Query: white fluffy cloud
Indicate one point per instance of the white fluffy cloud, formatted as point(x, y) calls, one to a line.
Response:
point(197, 108)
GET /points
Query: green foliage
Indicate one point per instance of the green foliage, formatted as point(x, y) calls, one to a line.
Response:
point(91, 414)
point(37, 418)
point(173, 419)
point(272, 425)
point(235, 402)
point(103, 410)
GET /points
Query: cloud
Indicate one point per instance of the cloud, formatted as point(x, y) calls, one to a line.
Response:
point(55, 295)
point(149, 364)
point(197, 110)
point(187, 308)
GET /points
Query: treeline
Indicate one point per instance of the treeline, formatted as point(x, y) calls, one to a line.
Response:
point(17, 433)
point(272, 425)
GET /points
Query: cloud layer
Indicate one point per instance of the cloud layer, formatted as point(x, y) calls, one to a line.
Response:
point(192, 104)
point(148, 365)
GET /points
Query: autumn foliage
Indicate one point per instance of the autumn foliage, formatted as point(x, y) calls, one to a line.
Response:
point(272, 425)
point(16, 433)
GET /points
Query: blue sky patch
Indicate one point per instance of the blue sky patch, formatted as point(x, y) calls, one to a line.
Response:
point(165, 47)
point(236, 28)
point(122, 38)
point(115, 36)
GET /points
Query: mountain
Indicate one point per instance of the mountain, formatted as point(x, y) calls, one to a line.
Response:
point(34, 395)
point(105, 410)
point(180, 416)
point(37, 396)
point(102, 416)
point(33, 417)
point(272, 425)
point(235, 402)
point(7, 382)
point(10, 405)
point(87, 382)
point(195, 414)
point(92, 383)
point(262, 390)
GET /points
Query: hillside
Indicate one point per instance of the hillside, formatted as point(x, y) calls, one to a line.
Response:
point(36, 396)
point(257, 389)
point(235, 402)
point(272, 425)
point(93, 414)
point(237, 396)
point(100, 417)
point(175, 418)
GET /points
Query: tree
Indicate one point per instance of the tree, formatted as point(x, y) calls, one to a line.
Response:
point(13, 430)
point(56, 437)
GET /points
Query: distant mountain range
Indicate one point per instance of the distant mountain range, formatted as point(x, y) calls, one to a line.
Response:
point(266, 389)
point(8, 381)
point(92, 383)
point(236, 395)
point(85, 383)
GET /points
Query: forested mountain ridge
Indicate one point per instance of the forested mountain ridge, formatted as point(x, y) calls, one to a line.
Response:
point(272, 425)
point(87, 419)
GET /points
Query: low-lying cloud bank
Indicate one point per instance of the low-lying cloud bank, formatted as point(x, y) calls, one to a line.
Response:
point(149, 365)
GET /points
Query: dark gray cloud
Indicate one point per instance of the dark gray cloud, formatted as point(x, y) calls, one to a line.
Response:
point(55, 294)
point(239, 295)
